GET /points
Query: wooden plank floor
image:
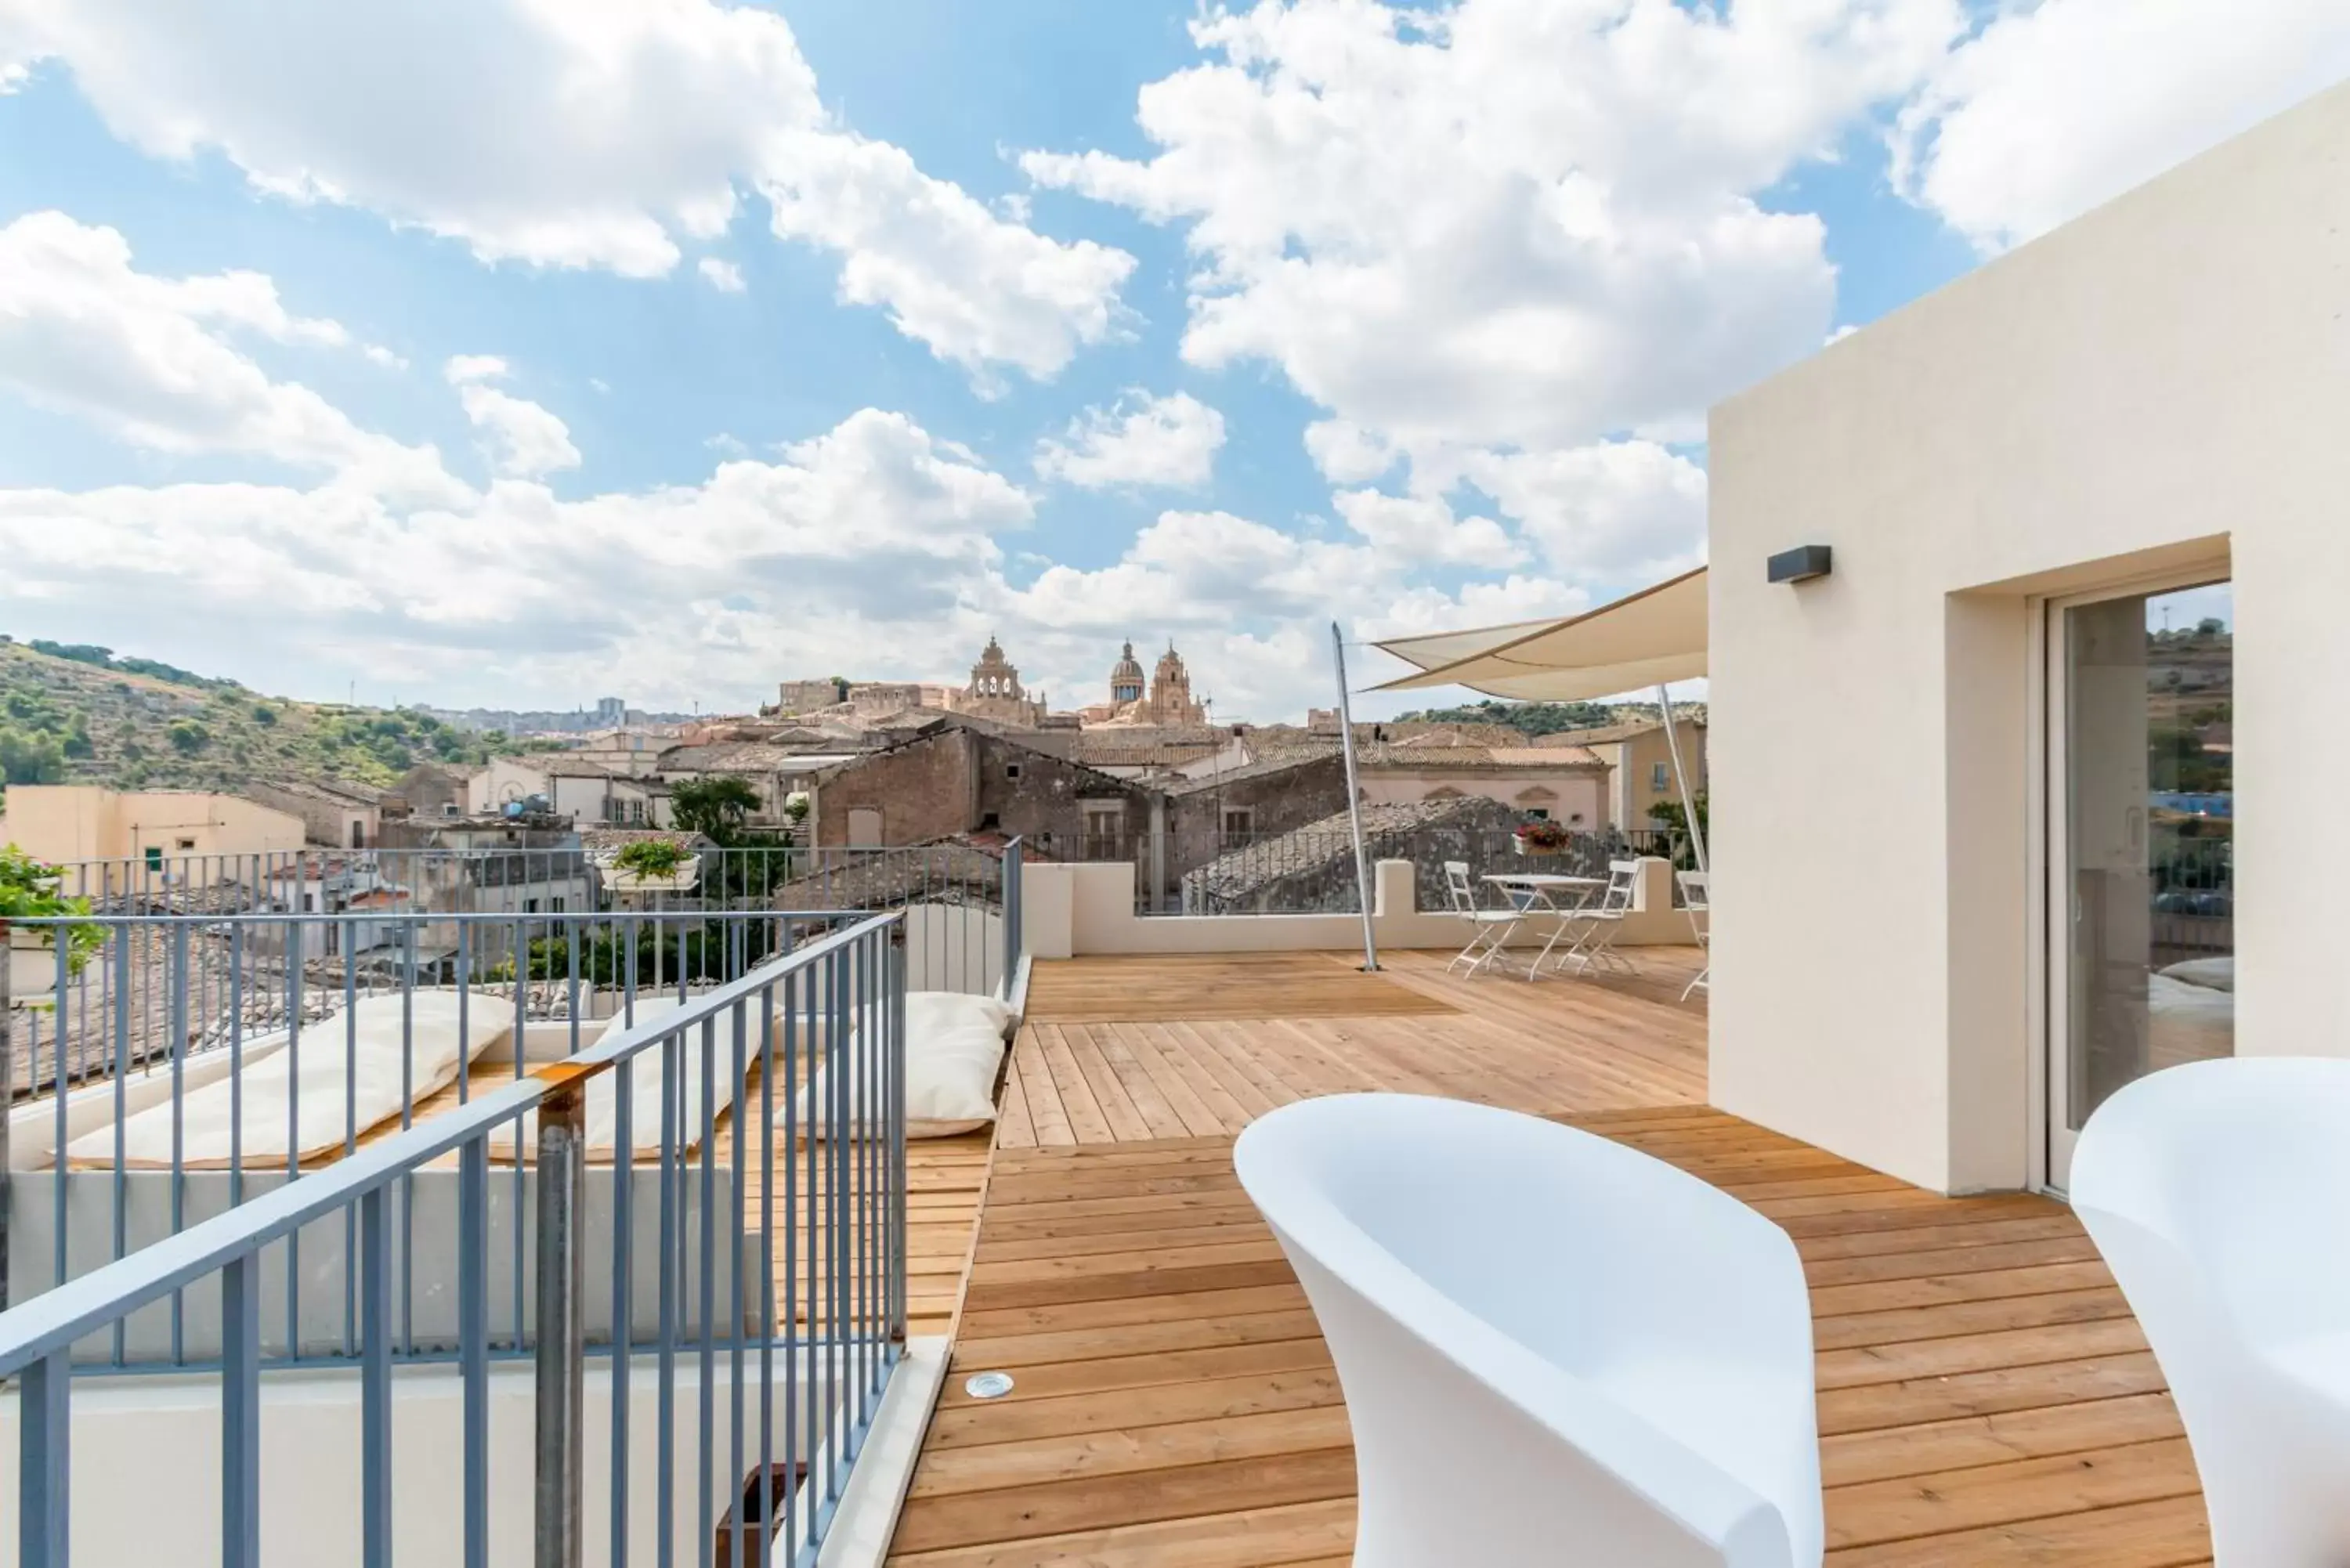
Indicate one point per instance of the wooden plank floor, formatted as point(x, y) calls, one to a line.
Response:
point(1985, 1395)
point(1119, 1066)
point(1221, 985)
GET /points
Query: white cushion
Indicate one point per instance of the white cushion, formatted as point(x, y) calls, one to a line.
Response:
point(2211, 973)
point(955, 1046)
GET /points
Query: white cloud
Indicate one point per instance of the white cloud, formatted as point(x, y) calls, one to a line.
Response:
point(977, 289)
point(1511, 223)
point(569, 134)
point(462, 369)
point(522, 439)
point(1615, 512)
point(150, 360)
point(1171, 441)
point(866, 538)
point(1346, 454)
point(1416, 529)
point(2053, 108)
point(525, 441)
point(723, 275)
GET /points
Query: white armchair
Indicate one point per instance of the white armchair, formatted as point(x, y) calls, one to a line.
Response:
point(2219, 1194)
point(1552, 1347)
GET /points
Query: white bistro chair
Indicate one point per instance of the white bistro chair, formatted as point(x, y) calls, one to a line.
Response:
point(1590, 928)
point(2219, 1194)
point(1553, 1347)
point(1489, 930)
point(1696, 900)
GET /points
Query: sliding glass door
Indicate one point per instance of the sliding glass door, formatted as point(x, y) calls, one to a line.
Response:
point(2142, 814)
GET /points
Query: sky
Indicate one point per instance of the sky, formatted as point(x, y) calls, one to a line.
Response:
point(519, 352)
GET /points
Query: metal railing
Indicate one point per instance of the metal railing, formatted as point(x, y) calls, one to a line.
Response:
point(534, 883)
point(1015, 857)
point(796, 1292)
point(1311, 870)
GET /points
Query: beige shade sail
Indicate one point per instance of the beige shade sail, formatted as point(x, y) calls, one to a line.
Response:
point(1643, 639)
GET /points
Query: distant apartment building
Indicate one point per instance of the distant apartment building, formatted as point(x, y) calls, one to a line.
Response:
point(1640, 761)
point(153, 828)
point(339, 815)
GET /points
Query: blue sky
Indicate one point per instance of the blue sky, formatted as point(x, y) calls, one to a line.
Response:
point(517, 353)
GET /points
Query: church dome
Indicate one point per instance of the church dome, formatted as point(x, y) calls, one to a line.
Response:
point(1126, 677)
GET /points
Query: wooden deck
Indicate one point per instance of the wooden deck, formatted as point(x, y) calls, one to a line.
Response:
point(1985, 1398)
point(1120, 1049)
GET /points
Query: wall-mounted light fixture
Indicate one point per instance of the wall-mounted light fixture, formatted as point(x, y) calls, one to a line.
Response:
point(1800, 565)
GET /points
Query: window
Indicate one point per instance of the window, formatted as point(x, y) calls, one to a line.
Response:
point(1011, 770)
point(448, 808)
point(1660, 778)
point(554, 906)
point(309, 903)
point(1239, 821)
point(187, 845)
point(1105, 828)
point(990, 820)
point(1539, 814)
point(530, 906)
point(154, 858)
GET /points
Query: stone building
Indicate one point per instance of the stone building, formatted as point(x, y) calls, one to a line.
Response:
point(964, 779)
point(995, 692)
point(1166, 701)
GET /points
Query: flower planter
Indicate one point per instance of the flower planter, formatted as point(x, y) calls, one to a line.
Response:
point(32, 964)
point(1526, 848)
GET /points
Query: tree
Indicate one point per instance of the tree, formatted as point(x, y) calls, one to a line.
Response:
point(1668, 814)
point(713, 807)
point(30, 757)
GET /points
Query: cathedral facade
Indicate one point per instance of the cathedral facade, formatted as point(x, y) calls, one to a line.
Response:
point(1166, 702)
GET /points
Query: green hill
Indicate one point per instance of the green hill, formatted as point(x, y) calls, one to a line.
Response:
point(79, 713)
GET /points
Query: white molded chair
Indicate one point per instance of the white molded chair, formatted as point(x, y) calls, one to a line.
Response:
point(1489, 930)
point(2219, 1194)
point(1696, 900)
point(1553, 1347)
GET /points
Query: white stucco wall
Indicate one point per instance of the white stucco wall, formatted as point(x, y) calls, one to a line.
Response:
point(2166, 380)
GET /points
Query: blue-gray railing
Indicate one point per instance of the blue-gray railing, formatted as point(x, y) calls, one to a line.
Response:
point(1014, 858)
point(817, 1034)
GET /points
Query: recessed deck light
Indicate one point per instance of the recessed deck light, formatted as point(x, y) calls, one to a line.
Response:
point(989, 1385)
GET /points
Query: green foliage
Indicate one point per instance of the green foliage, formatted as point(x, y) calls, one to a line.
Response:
point(651, 858)
point(104, 659)
point(28, 892)
point(1668, 814)
point(1532, 718)
point(713, 807)
point(31, 757)
point(113, 732)
point(696, 952)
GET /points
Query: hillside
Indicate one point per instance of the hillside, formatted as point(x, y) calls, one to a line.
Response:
point(76, 713)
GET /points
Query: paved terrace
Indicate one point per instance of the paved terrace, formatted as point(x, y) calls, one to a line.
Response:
point(1985, 1398)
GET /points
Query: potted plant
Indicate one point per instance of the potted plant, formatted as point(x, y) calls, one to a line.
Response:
point(1541, 837)
point(655, 865)
point(28, 892)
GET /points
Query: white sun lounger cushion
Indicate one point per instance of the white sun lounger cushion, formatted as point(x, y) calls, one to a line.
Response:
point(354, 1069)
point(645, 1070)
point(955, 1046)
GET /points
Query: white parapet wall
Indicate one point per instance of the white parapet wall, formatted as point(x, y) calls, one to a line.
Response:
point(1072, 910)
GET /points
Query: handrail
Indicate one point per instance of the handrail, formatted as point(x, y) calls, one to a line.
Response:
point(56, 1318)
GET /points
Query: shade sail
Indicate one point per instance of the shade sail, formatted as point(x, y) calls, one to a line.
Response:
point(1643, 639)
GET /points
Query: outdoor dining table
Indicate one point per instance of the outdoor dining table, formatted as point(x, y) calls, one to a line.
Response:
point(1539, 893)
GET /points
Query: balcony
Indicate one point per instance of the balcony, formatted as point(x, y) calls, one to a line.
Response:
point(1985, 1395)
